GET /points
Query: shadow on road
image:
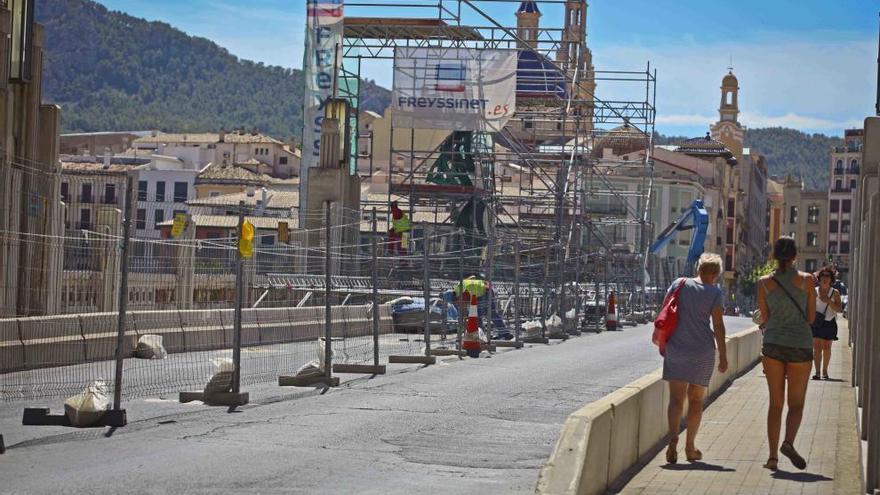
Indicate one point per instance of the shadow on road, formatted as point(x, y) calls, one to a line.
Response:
point(800, 477)
point(697, 466)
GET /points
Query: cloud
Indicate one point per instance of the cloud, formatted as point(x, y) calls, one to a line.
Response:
point(809, 84)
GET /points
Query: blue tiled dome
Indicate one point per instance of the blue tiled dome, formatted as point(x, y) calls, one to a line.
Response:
point(528, 8)
point(536, 77)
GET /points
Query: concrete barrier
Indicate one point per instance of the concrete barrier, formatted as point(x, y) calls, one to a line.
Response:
point(602, 441)
point(42, 342)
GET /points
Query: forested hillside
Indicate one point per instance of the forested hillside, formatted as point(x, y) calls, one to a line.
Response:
point(111, 71)
point(788, 151)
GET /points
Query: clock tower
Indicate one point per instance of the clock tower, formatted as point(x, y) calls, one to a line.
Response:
point(727, 129)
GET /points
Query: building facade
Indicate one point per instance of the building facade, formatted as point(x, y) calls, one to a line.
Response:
point(805, 216)
point(845, 168)
point(30, 213)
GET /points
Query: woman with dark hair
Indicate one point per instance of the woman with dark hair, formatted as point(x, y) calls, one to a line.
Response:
point(787, 303)
point(825, 324)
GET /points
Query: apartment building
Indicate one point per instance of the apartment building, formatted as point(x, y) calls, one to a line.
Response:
point(845, 168)
point(805, 215)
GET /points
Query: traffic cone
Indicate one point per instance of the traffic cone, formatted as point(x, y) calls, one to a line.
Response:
point(611, 313)
point(471, 340)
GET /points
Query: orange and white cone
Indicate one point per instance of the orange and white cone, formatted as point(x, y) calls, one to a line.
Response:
point(611, 313)
point(471, 339)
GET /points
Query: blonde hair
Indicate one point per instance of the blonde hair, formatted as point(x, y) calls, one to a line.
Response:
point(709, 264)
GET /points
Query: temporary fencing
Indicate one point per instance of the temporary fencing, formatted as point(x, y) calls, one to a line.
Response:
point(155, 303)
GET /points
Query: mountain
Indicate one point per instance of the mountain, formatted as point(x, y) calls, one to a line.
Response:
point(787, 151)
point(113, 72)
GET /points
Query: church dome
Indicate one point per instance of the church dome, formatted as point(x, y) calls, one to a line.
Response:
point(730, 80)
point(622, 140)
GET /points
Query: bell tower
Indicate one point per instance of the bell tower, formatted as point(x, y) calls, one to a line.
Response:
point(728, 129)
point(528, 19)
point(576, 58)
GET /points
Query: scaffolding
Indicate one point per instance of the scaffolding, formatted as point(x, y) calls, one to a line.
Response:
point(568, 179)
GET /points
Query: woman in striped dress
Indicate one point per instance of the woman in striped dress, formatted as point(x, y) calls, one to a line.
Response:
point(690, 352)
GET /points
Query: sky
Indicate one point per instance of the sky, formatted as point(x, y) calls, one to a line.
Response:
point(806, 64)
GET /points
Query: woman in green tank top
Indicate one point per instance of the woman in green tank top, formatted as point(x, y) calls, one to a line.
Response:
point(787, 301)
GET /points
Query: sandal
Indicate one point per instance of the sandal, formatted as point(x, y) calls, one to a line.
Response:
point(672, 452)
point(826, 377)
point(772, 464)
point(694, 455)
point(788, 450)
point(816, 376)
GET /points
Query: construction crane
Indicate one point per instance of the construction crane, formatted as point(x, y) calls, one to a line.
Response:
point(695, 218)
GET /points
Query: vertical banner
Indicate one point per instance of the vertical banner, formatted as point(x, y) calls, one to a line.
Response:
point(323, 50)
point(457, 89)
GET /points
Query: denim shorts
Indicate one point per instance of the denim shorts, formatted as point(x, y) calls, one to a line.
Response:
point(787, 354)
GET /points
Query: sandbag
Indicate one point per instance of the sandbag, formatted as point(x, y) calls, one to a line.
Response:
point(150, 347)
point(89, 407)
point(220, 382)
point(532, 328)
point(554, 323)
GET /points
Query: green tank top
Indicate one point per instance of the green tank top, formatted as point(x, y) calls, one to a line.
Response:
point(786, 325)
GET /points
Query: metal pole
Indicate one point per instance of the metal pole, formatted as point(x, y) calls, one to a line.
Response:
point(545, 299)
point(516, 302)
point(375, 282)
point(426, 289)
point(490, 262)
point(239, 298)
point(328, 286)
point(460, 306)
point(123, 295)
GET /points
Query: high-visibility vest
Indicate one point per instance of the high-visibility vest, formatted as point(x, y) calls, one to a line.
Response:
point(473, 286)
point(401, 224)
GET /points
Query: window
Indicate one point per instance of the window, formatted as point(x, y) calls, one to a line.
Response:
point(86, 196)
point(854, 166)
point(22, 40)
point(109, 194)
point(178, 212)
point(832, 227)
point(812, 239)
point(282, 160)
point(142, 190)
point(527, 123)
point(731, 208)
point(844, 247)
point(730, 235)
point(728, 97)
point(838, 168)
point(835, 206)
point(728, 261)
point(832, 248)
point(65, 192)
point(267, 240)
point(792, 218)
point(838, 185)
point(844, 226)
point(846, 205)
point(213, 194)
point(813, 214)
point(159, 217)
point(160, 191)
point(852, 184)
point(181, 192)
point(85, 218)
point(812, 266)
point(141, 219)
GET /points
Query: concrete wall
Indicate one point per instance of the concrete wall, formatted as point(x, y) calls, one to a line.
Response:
point(42, 342)
point(600, 442)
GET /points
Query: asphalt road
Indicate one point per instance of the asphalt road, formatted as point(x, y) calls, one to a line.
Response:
point(473, 426)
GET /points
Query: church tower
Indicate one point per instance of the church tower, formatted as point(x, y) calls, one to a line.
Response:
point(728, 129)
point(574, 56)
point(528, 19)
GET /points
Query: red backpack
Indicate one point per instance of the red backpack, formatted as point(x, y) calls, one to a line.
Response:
point(667, 320)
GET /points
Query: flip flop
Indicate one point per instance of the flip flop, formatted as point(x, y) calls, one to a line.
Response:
point(694, 456)
point(672, 453)
point(788, 450)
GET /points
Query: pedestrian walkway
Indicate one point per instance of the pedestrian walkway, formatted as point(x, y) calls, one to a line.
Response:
point(733, 438)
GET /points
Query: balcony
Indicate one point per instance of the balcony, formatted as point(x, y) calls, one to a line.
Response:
point(86, 198)
point(855, 148)
point(110, 200)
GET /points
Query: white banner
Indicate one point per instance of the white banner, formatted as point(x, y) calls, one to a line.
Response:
point(324, 22)
point(454, 88)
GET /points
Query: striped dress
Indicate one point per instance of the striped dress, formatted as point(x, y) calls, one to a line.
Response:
point(690, 352)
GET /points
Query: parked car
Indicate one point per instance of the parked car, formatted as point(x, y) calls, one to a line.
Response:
point(408, 315)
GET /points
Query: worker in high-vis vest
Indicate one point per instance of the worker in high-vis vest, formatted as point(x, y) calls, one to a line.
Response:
point(400, 227)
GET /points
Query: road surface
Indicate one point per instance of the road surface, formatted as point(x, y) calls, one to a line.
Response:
point(473, 426)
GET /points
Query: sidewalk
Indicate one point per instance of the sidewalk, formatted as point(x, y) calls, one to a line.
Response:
point(734, 442)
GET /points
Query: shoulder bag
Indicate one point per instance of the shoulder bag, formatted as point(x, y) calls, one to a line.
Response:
point(667, 321)
point(790, 297)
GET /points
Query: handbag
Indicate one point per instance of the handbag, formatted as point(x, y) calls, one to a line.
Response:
point(667, 321)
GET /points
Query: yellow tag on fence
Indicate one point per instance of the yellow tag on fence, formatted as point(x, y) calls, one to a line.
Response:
point(246, 243)
point(179, 225)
